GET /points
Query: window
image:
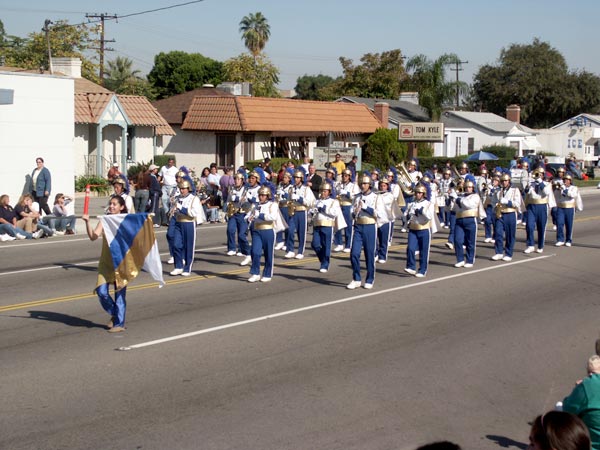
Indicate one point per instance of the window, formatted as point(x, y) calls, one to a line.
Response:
point(248, 146)
point(225, 150)
point(471, 144)
point(458, 145)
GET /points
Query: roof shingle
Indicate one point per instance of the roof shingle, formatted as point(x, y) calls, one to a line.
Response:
point(278, 115)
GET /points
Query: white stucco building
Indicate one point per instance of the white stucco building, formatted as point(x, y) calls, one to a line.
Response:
point(579, 135)
point(36, 120)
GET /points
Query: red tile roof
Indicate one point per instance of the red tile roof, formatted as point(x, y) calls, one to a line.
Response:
point(173, 108)
point(278, 115)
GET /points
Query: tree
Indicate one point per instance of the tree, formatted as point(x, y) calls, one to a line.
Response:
point(312, 87)
point(258, 70)
point(255, 31)
point(428, 78)
point(379, 75)
point(65, 41)
point(383, 148)
point(177, 72)
point(536, 77)
point(120, 77)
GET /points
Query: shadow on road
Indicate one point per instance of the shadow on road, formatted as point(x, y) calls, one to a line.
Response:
point(85, 268)
point(505, 442)
point(64, 318)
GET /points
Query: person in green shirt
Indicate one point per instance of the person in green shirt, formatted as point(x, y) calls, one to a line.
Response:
point(584, 401)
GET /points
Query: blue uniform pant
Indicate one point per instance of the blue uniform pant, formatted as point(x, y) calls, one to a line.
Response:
point(564, 220)
point(297, 224)
point(321, 244)
point(452, 222)
point(116, 308)
point(347, 232)
point(537, 217)
point(505, 234)
point(418, 240)
point(237, 224)
point(184, 245)
point(263, 242)
point(171, 235)
point(383, 240)
point(489, 221)
point(364, 239)
point(465, 233)
point(283, 235)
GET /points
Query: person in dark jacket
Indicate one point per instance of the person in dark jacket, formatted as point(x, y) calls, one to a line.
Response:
point(41, 185)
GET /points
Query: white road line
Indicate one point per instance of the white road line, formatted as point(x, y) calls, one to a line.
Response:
point(88, 263)
point(326, 304)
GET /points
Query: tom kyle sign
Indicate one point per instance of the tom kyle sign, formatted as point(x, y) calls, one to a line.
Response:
point(421, 131)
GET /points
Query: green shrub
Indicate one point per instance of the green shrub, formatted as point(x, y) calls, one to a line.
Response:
point(133, 171)
point(98, 184)
point(161, 160)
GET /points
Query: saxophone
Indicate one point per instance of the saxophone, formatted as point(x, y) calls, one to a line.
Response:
point(291, 204)
point(231, 208)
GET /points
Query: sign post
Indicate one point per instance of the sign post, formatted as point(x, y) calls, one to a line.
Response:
point(413, 132)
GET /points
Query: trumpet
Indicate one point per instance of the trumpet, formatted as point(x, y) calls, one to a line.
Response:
point(405, 181)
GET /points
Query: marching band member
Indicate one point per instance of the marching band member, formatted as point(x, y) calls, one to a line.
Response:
point(365, 210)
point(327, 217)
point(487, 195)
point(539, 198)
point(415, 175)
point(188, 209)
point(444, 189)
point(396, 191)
point(558, 181)
point(346, 191)
point(419, 215)
point(385, 221)
point(265, 219)
point(375, 180)
point(284, 197)
point(236, 222)
point(567, 199)
point(455, 188)
point(255, 179)
point(482, 181)
point(507, 203)
point(468, 209)
point(121, 187)
point(302, 200)
point(463, 170)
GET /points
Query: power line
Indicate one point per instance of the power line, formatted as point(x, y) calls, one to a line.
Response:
point(102, 49)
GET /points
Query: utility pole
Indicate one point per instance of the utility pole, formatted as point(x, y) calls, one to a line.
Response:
point(102, 48)
point(46, 30)
point(457, 68)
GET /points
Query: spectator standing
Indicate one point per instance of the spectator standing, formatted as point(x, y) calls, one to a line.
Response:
point(314, 180)
point(213, 180)
point(113, 172)
point(268, 169)
point(63, 223)
point(142, 191)
point(155, 193)
point(339, 165)
point(41, 185)
point(352, 164)
point(169, 183)
point(225, 183)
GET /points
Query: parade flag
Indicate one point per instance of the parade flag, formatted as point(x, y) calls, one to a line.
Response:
point(129, 245)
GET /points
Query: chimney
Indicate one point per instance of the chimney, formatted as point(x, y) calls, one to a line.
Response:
point(513, 113)
point(410, 97)
point(382, 112)
point(71, 67)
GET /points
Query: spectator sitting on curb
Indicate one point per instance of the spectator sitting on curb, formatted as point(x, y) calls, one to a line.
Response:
point(63, 223)
point(29, 217)
point(8, 221)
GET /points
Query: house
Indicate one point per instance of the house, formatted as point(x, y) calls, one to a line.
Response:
point(231, 130)
point(110, 127)
point(405, 109)
point(36, 120)
point(579, 135)
point(467, 131)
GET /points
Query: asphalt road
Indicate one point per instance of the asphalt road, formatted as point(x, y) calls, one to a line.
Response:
point(214, 362)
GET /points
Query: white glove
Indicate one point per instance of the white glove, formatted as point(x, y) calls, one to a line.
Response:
point(453, 195)
point(295, 196)
point(179, 206)
point(504, 201)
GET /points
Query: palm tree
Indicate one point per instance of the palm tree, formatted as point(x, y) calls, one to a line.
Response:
point(255, 32)
point(120, 75)
point(429, 79)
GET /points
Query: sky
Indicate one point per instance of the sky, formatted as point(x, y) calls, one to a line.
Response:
point(309, 36)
